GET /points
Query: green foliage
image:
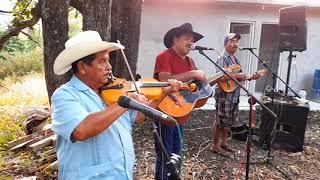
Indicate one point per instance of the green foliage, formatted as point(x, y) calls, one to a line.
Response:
point(10, 127)
point(16, 94)
point(22, 63)
point(22, 11)
point(6, 177)
point(75, 21)
point(18, 44)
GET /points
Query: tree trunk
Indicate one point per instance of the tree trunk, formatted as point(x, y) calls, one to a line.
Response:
point(126, 19)
point(124, 26)
point(114, 20)
point(96, 16)
point(55, 34)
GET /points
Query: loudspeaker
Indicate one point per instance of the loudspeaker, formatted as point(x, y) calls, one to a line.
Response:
point(293, 29)
point(290, 127)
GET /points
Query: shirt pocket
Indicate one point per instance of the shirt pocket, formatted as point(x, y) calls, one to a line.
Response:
point(102, 171)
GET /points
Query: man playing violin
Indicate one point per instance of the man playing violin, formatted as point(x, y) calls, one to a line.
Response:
point(174, 63)
point(93, 139)
point(227, 103)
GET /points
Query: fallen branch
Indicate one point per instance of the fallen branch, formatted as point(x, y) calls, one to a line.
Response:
point(200, 150)
point(51, 158)
point(38, 135)
point(40, 168)
point(53, 166)
point(24, 144)
point(51, 151)
point(200, 128)
point(44, 142)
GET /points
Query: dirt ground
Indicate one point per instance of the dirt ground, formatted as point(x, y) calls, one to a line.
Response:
point(198, 162)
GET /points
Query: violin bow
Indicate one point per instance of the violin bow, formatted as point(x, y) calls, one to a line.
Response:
point(129, 68)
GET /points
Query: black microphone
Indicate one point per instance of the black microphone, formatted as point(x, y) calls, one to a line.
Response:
point(246, 48)
point(201, 48)
point(127, 102)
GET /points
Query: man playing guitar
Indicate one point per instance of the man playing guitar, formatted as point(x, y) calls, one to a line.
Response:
point(174, 63)
point(227, 102)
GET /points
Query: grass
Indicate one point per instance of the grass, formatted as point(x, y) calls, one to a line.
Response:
point(21, 64)
point(10, 127)
point(3, 177)
point(17, 93)
point(22, 91)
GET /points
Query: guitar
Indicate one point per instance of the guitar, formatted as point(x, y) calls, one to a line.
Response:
point(230, 85)
point(181, 103)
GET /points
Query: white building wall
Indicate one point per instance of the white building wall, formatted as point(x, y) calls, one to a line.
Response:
point(213, 20)
point(305, 63)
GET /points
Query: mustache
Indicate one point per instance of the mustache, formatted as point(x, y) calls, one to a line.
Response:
point(189, 45)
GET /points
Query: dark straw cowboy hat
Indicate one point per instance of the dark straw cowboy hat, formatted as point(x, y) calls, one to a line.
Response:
point(184, 28)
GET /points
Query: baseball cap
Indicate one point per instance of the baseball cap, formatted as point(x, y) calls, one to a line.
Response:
point(230, 36)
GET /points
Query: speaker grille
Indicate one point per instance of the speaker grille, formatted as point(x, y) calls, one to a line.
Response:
point(290, 130)
point(293, 29)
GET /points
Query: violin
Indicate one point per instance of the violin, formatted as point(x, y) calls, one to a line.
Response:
point(150, 88)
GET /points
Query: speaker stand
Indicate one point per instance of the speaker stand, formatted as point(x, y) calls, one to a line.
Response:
point(289, 69)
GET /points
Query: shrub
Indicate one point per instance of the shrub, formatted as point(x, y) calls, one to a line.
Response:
point(26, 90)
point(16, 94)
point(22, 64)
point(10, 126)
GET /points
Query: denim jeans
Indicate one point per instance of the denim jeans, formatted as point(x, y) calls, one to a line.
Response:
point(171, 141)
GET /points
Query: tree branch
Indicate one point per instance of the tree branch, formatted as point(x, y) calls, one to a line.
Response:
point(26, 7)
point(3, 11)
point(26, 34)
point(77, 4)
point(8, 12)
point(15, 30)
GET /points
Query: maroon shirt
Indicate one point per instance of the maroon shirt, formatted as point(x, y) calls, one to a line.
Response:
point(169, 61)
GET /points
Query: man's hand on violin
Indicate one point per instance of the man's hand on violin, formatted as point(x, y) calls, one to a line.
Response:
point(139, 97)
point(175, 85)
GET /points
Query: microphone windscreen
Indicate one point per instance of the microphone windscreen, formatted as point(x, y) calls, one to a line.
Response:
point(124, 101)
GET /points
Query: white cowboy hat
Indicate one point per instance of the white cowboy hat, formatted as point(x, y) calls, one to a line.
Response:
point(79, 46)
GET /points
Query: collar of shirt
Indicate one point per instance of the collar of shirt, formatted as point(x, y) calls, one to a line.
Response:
point(226, 55)
point(81, 86)
point(78, 84)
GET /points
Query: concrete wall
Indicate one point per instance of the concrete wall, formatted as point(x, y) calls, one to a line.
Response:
point(304, 65)
point(213, 21)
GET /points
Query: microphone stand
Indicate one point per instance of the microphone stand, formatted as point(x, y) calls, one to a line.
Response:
point(253, 98)
point(273, 130)
point(274, 74)
point(173, 162)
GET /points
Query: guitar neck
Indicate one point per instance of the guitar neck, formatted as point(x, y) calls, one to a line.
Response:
point(156, 84)
point(215, 77)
